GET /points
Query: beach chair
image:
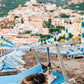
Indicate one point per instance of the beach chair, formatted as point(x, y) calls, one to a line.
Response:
point(19, 53)
point(14, 65)
point(15, 79)
point(71, 54)
point(7, 67)
point(3, 65)
point(15, 61)
point(10, 55)
point(25, 47)
point(79, 52)
point(10, 62)
point(15, 57)
point(82, 55)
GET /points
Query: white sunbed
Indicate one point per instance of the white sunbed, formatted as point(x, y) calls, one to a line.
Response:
point(8, 58)
point(18, 67)
point(12, 55)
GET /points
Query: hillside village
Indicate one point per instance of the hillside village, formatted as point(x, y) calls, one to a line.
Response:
point(34, 19)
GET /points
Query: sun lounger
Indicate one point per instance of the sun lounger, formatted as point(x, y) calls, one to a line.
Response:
point(14, 65)
point(15, 58)
point(82, 55)
point(10, 62)
point(26, 47)
point(20, 53)
point(15, 79)
point(71, 54)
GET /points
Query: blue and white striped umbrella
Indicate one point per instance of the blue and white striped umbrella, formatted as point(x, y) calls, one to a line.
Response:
point(51, 40)
point(66, 36)
point(46, 40)
point(57, 40)
point(43, 41)
point(38, 42)
point(82, 32)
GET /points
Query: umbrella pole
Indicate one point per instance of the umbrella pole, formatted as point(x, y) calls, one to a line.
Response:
point(48, 58)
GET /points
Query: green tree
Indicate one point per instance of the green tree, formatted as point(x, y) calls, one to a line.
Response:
point(22, 21)
point(44, 36)
point(48, 24)
point(63, 15)
point(16, 17)
point(28, 32)
point(63, 37)
point(55, 39)
point(70, 35)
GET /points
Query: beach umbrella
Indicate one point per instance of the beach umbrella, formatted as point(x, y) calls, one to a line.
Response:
point(57, 37)
point(66, 35)
point(38, 42)
point(51, 40)
point(4, 44)
point(1, 37)
point(43, 41)
point(82, 32)
point(46, 40)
